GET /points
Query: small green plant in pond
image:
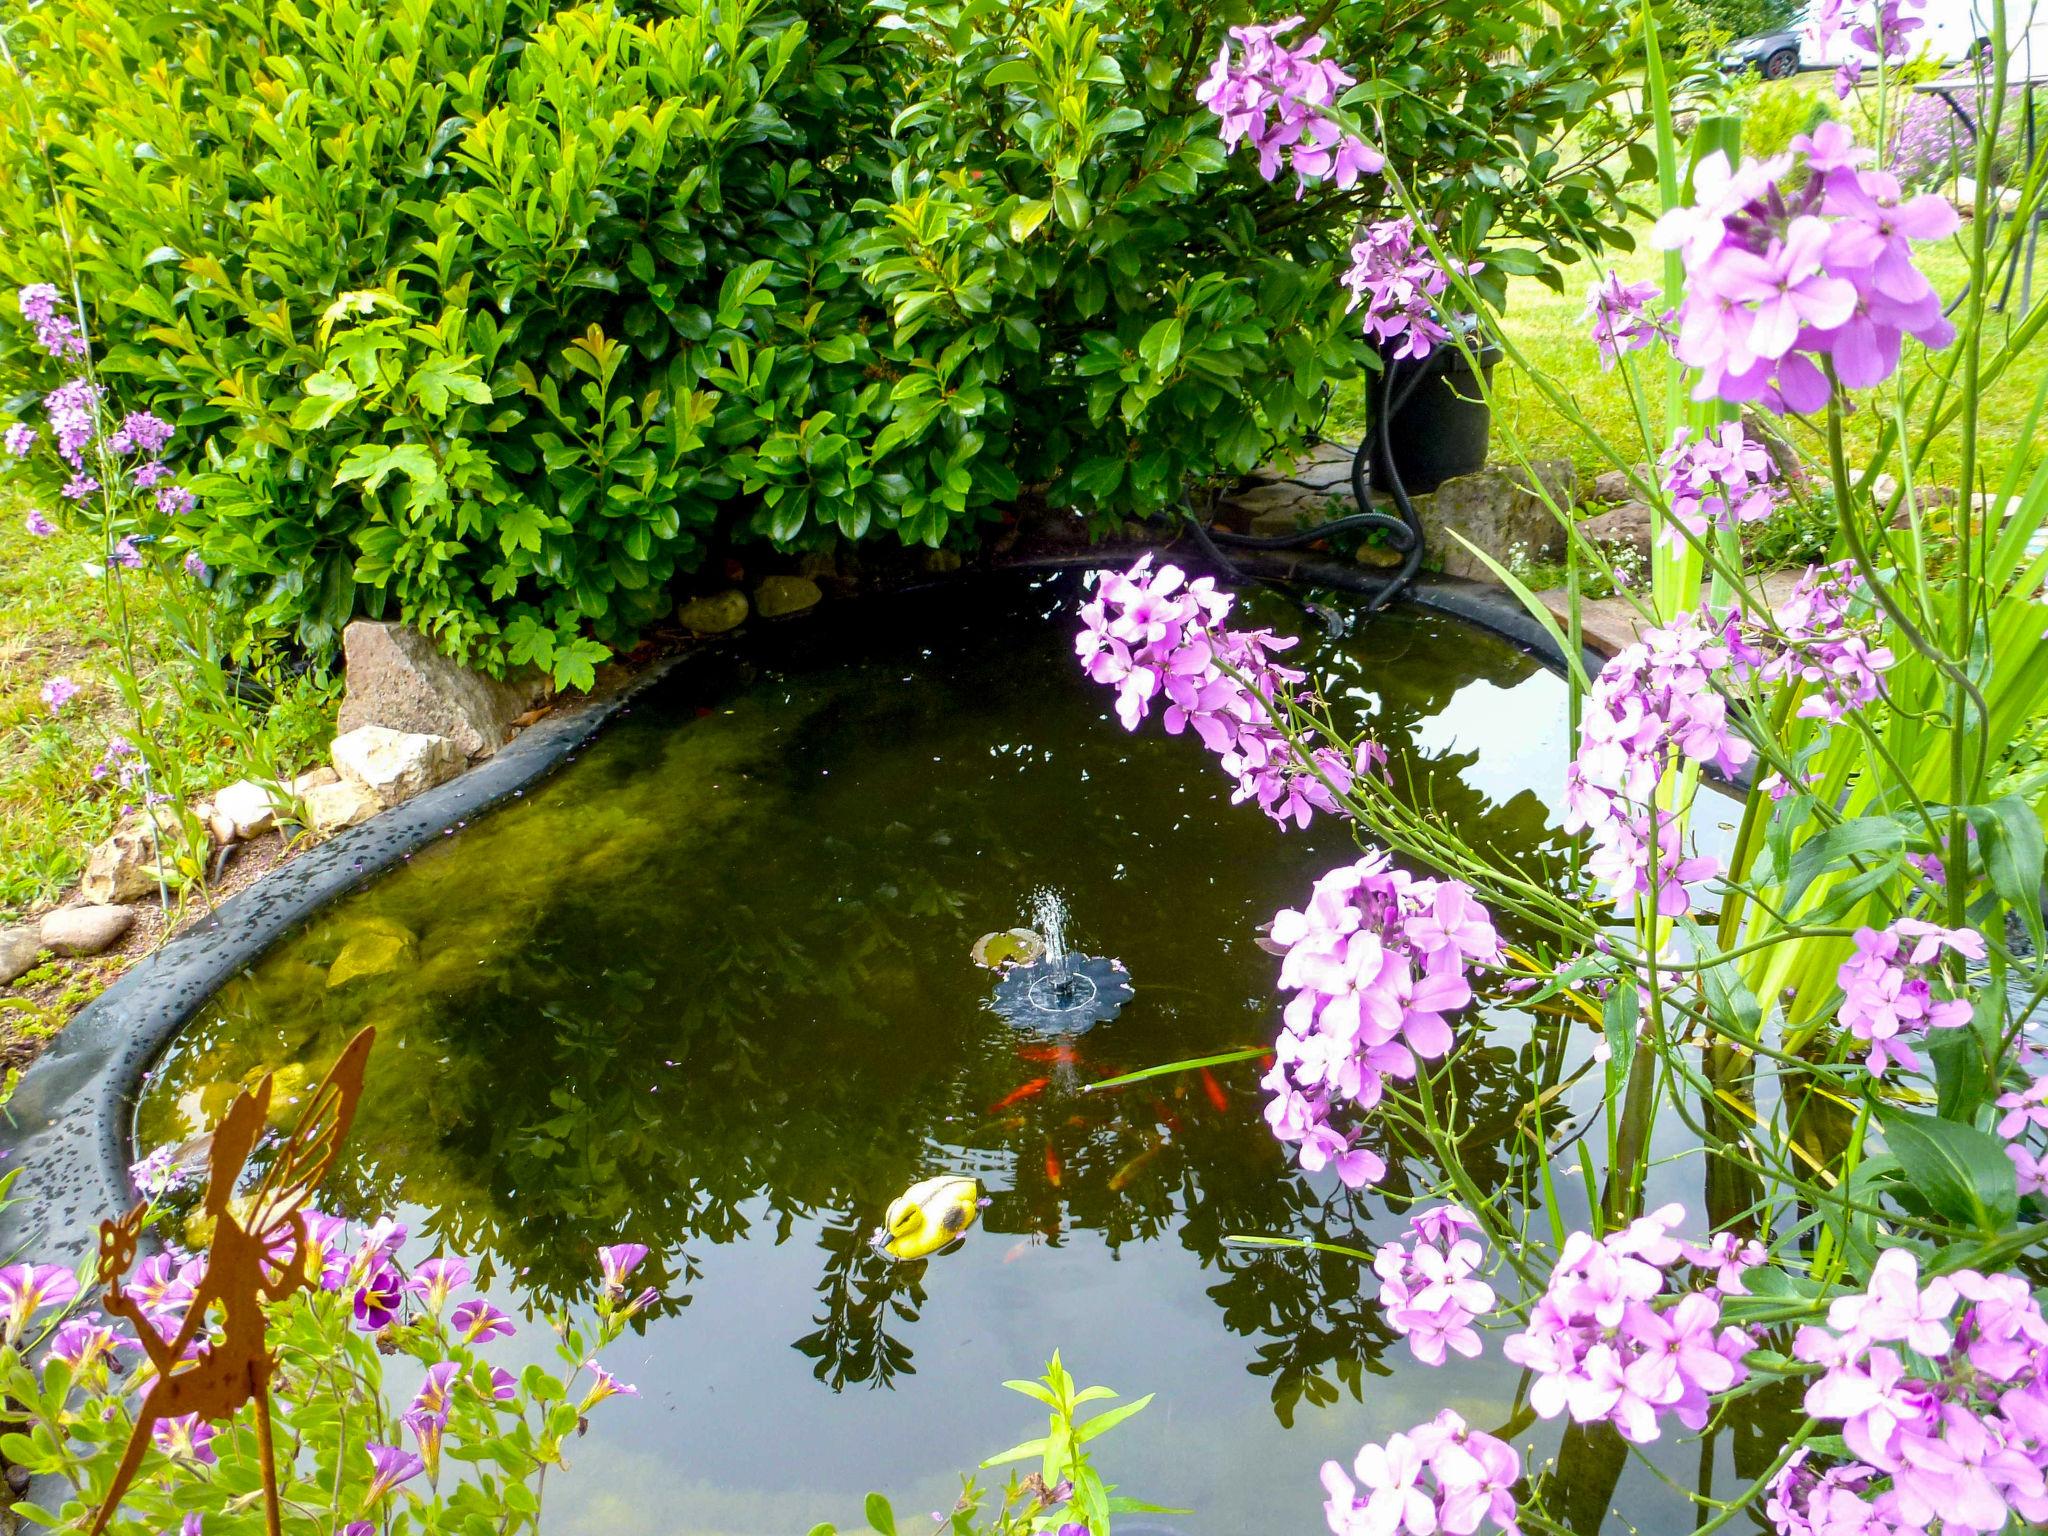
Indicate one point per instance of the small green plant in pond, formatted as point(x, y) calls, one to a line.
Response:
point(1065, 1496)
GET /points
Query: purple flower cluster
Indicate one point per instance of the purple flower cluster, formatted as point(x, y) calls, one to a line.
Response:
point(1280, 98)
point(58, 692)
point(1428, 1292)
point(1782, 281)
point(73, 412)
point(1399, 281)
point(1375, 961)
point(1624, 317)
point(1946, 1410)
point(1156, 637)
point(1825, 639)
point(38, 524)
point(1652, 706)
point(1439, 1476)
point(1608, 1340)
point(1717, 480)
point(56, 334)
point(1888, 993)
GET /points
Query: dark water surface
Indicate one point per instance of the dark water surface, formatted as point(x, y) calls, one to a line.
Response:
point(709, 989)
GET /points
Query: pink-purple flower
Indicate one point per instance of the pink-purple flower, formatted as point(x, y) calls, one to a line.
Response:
point(1611, 1340)
point(433, 1280)
point(57, 692)
point(1280, 98)
point(1375, 960)
point(19, 439)
point(1888, 989)
point(56, 334)
point(1399, 282)
point(1158, 638)
point(1941, 1397)
point(1652, 706)
point(1717, 480)
point(1785, 282)
point(1439, 1476)
point(38, 524)
point(1428, 1292)
point(1624, 317)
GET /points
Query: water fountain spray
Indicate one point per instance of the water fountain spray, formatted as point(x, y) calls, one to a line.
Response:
point(1060, 992)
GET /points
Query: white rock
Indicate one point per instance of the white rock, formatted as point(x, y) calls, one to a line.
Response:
point(398, 679)
point(245, 806)
point(395, 765)
point(313, 778)
point(86, 930)
point(330, 807)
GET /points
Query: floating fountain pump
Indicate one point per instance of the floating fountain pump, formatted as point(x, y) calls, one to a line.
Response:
point(1060, 992)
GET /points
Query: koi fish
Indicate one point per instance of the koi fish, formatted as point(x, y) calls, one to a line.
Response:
point(1056, 1055)
point(1166, 1116)
point(1019, 1094)
point(1123, 1176)
point(1053, 1170)
point(1215, 1091)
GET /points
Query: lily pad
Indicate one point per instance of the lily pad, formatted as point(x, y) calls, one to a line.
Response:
point(1011, 946)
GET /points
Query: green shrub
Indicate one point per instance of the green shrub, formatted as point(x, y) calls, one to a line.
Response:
point(1777, 116)
point(497, 317)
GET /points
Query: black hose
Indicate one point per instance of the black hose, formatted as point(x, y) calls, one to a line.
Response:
point(1404, 532)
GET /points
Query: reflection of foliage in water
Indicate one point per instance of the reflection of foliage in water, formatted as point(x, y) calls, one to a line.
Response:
point(713, 982)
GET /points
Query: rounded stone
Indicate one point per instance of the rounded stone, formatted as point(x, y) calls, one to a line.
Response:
point(779, 596)
point(713, 615)
point(86, 930)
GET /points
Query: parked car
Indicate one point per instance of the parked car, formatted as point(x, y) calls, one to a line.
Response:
point(1774, 55)
point(1951, 32)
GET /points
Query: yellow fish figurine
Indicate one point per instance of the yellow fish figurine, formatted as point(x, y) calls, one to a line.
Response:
point(929, 1215)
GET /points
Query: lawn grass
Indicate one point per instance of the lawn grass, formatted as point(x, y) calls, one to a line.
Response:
point(55, 621)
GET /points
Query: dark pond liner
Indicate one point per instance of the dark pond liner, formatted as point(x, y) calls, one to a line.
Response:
point(70, 1124)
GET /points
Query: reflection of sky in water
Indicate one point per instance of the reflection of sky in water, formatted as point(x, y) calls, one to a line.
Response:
point(707, 990)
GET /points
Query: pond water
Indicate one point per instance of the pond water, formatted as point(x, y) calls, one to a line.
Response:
point(709, 989)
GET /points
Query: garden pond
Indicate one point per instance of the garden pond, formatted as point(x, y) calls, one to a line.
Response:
point(709, 988)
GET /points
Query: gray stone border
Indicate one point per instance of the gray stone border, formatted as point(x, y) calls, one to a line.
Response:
point(69, 1125)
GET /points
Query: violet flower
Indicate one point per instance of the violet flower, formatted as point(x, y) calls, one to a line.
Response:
point(175, 501)
point(38, 524)
point(19, 439)
point(393, 1465)
point(378, 1298)
point(186, 1438)
point(603, 1385)
point(58, 692)
point(435, 1279)
point(26, 1289)
point(478, 1322)
point(617, 1264)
